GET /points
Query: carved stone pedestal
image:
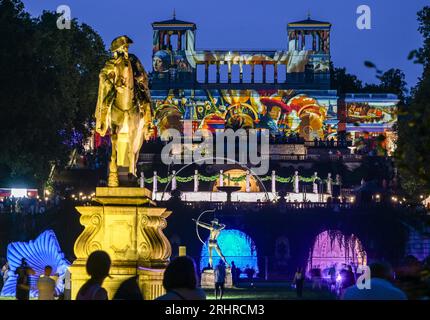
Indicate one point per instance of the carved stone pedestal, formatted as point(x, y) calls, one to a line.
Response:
point(131, 232)
point(208, 279)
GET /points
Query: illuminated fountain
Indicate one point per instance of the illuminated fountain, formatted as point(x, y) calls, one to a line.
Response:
point(334, 248)
point(229, 190)
point(237, 246)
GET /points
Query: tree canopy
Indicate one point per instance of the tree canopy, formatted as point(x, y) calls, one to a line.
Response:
point(413, 152)
point(390, 81)
point(48, 84)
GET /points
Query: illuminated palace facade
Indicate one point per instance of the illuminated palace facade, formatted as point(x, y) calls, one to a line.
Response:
point(286, 92)
point(312, 129)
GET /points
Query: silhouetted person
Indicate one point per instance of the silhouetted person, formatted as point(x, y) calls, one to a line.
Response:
point(129, 290)
point(180, 281)
point(250, 274)
point(348, 278)
point(381, 287)
point(46, 285)
point(234, 273)
point(98, 266)
point(219, 277)
point(23, 281)
point(299, 280)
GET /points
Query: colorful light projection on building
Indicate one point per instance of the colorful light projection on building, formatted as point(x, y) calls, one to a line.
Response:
point(43, 251)
point(236, 246)
point(282, 112)
point(334, 248)
point(174, 51)
point(187, 60)
point(235, 178)
point(371, 114)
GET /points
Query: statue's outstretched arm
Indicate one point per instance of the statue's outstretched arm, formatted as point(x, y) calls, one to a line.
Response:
point(203, 225)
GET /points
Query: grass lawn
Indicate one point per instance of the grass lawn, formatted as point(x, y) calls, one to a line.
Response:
point(263, 291)
point(271, 291)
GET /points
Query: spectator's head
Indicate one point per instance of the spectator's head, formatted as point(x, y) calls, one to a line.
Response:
point(98, 265)
point(180, 273)
point(381, 270)
point(128, 290)
point(48, 271)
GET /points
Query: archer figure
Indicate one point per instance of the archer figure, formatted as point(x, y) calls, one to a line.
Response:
point(215, 229)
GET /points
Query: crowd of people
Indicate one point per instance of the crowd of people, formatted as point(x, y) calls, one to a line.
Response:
point(28, 205)
point(181, 281)
point(410, 280)
point(46, 282)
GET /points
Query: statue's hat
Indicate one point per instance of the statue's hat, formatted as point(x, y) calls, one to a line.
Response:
point(119, 42)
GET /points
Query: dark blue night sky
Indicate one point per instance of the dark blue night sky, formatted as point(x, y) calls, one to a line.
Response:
point(240, 24)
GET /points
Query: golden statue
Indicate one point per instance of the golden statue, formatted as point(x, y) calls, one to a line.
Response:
point(123, 107)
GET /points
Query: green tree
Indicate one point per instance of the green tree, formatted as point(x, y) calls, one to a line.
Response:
point(48, 84)
point(344, 82)
point(391, 81)
point(413, 152)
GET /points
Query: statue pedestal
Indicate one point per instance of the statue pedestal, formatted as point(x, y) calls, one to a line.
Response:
point(132, 235)
point(208, 279)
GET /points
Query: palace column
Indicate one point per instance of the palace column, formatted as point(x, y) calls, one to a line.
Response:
point(206, 72)
point(179, 40)
point(218, 80)
point(275, 73)
point(264, 72)
point(252, 73)
point(229, 71)
point(273, 181)
point(303, 41)
point(314, 42)
point(173, 180)
point(168, 42)
point(154, 186)
point(196, 181)
point(296, 182)
point(221, 178)
point(296, 40)
point(248, 182)
point(142, 180)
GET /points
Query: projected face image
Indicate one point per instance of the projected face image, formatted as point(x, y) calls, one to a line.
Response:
point(158, 64)
point(161, 61)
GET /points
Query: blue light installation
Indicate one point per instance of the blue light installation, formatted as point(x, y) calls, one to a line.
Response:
point(236, 246)
point(43, 251)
